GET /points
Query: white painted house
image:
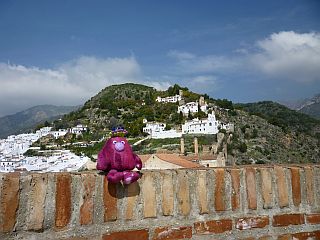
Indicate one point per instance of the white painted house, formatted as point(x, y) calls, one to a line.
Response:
point(153, 127)
point(43, 131)
point(229, 127)
point(169, 99)
point(78, 129)
point(157, 130)
point(191, 107)
point(59, 133)
point(201, 126)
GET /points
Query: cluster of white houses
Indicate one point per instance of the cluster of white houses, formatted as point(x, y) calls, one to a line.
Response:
point(171, 99)
point(209, 125)
point(74, 130)
point(13, 147)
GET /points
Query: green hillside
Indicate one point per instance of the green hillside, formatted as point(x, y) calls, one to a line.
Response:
point(126, 104)
point(265, 132)
point(279, 115)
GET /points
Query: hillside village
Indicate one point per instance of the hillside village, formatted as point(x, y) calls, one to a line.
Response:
point(175, 128)
point(208, 125)
point(13, 151)
point(54, 158)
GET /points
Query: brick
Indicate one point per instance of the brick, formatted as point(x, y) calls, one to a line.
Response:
point(219, 194)
point(36, 202)
point(266, 188)
point(313, 218)
point(63, 200)
point(183, 193)
point(265, 238)
point(202, 191)
point(214, 226)
point(172, 233)
point(149, 196)
point(285, 237)
point(283, 196)
point(110, 201)
point(306, 235)
point(235, 195)
point(251, 188)
point(252, 222)
point(77, 238)
point(9, 201)
point(287, 219)
point(127, 235)
point(86, 209)
point(133, 191)
point(167, 194)
point(309, 185)
point(296, 187)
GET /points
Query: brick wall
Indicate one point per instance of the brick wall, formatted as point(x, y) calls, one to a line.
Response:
point(276, 202)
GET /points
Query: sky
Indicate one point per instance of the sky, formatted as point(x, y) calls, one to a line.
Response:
point(63, 52)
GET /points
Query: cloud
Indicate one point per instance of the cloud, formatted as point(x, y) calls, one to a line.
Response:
point(191, 63)
point(71, 83)
point(181, 55)
point(282, 56)
point(204, 79)
point(289, 55)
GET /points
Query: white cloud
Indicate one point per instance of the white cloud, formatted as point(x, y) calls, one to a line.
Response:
point(204, 79)
point(191, 63)
point(94, 74)
point(203, 83)
point(181, 55)
point(71, 83)
point(282, 56)
point(289, 55)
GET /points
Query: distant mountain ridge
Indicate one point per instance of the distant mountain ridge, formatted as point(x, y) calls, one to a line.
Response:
point(309, 106)
point(28, 119)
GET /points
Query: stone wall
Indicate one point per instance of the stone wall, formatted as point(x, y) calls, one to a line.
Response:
point(263, 202)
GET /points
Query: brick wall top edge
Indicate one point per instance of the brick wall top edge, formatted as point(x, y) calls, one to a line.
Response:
point(260, 166)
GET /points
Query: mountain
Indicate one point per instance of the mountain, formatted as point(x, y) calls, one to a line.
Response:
point(28, 119)
point(125, 104)
point(265, 132)
point(281, 116)
point(311, 107)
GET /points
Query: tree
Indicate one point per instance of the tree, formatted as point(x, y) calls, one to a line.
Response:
point(190, 117)
point(224, 103)
point(242, 147)
point(168, 127)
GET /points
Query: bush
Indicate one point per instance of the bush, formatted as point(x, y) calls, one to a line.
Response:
point(242, 147)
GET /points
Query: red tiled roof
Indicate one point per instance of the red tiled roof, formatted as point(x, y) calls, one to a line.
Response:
point(178, 160)
point(144, 157)
point(201, 157)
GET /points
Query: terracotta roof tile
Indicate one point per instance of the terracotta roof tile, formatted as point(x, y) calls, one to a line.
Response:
point(178, 160)
point(144, 157)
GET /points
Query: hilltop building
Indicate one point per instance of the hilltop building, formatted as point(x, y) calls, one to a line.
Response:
point(59, 133)
point(79, 129)
point(193, 107)
point(171, 99)
point(207, 125)
point(201, 126)
point(157, 130)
